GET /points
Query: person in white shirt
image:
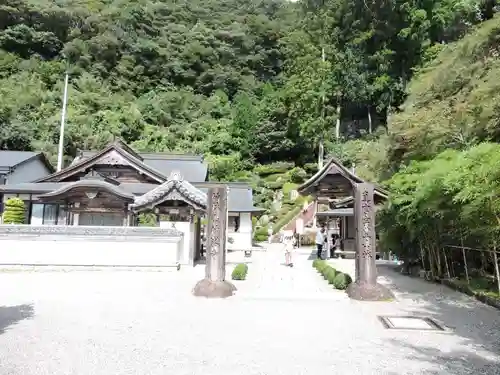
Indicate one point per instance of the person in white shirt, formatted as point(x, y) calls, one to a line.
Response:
point(288, 240)
point(270, 234)
point(320, 241)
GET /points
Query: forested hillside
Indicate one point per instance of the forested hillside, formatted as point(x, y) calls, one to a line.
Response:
point(445, 148)
point(253, 85)
point(222, 77)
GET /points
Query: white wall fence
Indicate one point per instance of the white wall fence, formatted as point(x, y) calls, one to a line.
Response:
point(50, 245)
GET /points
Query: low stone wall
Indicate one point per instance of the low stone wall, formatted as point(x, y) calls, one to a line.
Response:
point(50, 245)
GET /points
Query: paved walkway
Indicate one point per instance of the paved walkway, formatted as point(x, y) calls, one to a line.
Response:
point(282, 321)
point(269, 278)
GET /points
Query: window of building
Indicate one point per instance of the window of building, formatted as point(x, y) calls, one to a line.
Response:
point(48, 214)
point(36, 214)
point(61, 215)
point(233, 224)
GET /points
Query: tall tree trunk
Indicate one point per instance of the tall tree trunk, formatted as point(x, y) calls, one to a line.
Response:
point(446, 264)
point(484, 262)
point(495, 261)
point(465, 259)
point(439, 266)
point(431, 262)
point(370, 129)
point(337, 125)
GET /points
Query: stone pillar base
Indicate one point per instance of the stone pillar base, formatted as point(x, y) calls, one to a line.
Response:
point(213, 289)
point(369, 292)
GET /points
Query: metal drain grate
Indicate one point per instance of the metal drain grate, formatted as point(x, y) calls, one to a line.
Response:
point(412, 323)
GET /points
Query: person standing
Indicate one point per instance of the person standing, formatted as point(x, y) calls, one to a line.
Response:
point(296, 237)
point(333, 246)
point(288, 241)
point(320, 241)
point(270, 233)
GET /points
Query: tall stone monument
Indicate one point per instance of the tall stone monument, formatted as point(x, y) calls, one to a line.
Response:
point(365, 286)
point(214, 285)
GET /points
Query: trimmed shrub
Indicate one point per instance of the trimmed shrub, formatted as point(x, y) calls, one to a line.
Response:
point(298, 175)
point(326, 272)
point(288, 187)
point(321, 266)
point(273, 184)
point(260, 234)
point(240, 272)
point(14, 211)
point(286, 219)
point(342, 281)
point(278, 167)
point(264, 220)
point(330, 273)
point(274, 177)
point(311, 168)
point(147, 219)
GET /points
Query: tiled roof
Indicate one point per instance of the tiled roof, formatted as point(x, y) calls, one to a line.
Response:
point(191, 167)
point(10, 159)
point(240, 197)
point(175, 187)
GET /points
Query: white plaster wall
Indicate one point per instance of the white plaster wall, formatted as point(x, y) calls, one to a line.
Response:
point(6, 197)
point(242, 238)
point(85, 252)
point(188, 230)
point(27, 172)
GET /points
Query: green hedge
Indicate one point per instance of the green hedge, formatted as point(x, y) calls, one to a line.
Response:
point(274, 185)
point(298, 175)
point(338, 279)
point(260, 234)
point(14, 212)
point(342, 281)
point(286, 219)
point(288, 187)
point(267, 169)
point(311, 168)
point(240, 272)
point(274, 177)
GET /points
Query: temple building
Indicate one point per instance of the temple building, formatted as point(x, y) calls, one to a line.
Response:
point(113, 186)
point(332, 186)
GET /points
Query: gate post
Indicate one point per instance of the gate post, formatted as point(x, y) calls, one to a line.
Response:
point(214, 285)
point(365, 286)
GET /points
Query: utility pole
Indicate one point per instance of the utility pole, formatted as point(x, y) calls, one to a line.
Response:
point(60, 153)
point(321, 150)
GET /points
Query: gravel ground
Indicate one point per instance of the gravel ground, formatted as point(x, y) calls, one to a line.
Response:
point(282, 321)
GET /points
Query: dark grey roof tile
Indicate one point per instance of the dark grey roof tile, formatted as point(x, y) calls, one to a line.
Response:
point(12, 158)
point(191, 170)
point(240, 194)
point(191, 167)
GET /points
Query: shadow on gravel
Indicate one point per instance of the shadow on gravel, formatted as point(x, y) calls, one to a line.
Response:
point(474, 321)
point(453, 362)
point(10, 315)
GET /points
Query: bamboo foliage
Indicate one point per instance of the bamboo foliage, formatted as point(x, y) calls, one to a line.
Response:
point(452, 199)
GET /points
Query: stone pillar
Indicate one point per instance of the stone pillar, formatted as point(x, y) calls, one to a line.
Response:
point(197, 237)
point(365, 286)
point(214, 285)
